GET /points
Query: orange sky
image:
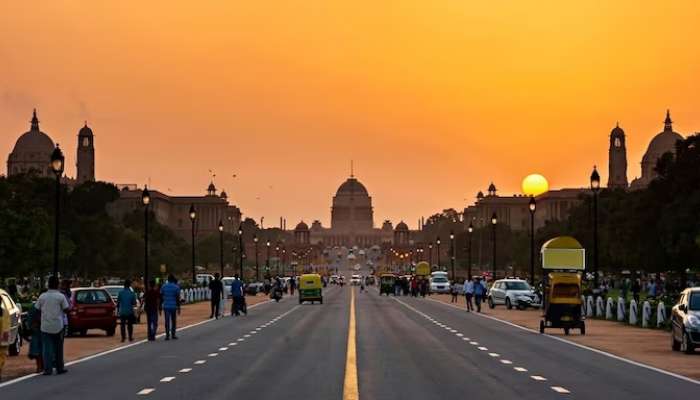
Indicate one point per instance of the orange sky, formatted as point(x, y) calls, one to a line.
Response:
point(432, 99)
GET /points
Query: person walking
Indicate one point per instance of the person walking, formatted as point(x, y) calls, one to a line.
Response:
point(217, 293)
point(126, 301)
point(53, 306)
point(453, 292)
point(468, 290)
point(237, 296)
point(479, 291)
point(170, 306)
point(35, 350)
point(151, 305)
point(293, 285)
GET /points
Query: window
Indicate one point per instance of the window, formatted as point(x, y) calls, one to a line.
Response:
point(86, 142)
point(91, 297)
point(618, 142)
point(517, 286)
point(565, 290)
point(694, 302)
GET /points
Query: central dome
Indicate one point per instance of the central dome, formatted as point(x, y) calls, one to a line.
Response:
point(352, 187)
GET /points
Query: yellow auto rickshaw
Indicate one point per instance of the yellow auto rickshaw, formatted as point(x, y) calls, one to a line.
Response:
point(386, 283)
point(565, 258)
point(310, 288)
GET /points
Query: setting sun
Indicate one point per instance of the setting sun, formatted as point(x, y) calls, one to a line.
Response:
point(534, 185)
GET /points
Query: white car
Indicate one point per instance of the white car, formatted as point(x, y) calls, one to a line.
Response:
point(509, 291)
point(355, 280)
point(439, 284)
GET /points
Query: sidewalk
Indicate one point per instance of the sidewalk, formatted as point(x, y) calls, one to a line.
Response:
point(96, 341)
point(647, 346)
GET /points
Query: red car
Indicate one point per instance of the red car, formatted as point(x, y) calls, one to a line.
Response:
point(91, 308)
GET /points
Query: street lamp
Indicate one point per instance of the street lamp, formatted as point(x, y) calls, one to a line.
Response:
point(257, 266)
point(221, 247)
point(277, 255)
point(146, 201)
point(532, 206)
point(437, 242)
point(595, 188)
point(430, 253)
point(267, 260)
point(193, 218)
point(470, 231)
point(57, 164)
point(452, 254)
point(240, 252)
point(494, 221)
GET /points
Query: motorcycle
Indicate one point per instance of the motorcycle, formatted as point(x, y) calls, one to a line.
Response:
point(276, 294)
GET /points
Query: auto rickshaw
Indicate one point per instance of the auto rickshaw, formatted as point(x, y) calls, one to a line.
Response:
point(310, 288)
point(386, 283)
point(565, 258)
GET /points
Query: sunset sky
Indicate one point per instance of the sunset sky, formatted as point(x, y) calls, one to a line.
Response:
point(432, 99)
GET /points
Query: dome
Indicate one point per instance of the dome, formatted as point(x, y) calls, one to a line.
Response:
point(480, 195)
point(492, 187)
point(85, 131)
point(352, 187)
point(34, 141)
point(223, 194)
point(301, 226)
point(401, 226)
point(662, 143)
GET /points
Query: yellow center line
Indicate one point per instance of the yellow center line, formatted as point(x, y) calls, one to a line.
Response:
point(350, 391)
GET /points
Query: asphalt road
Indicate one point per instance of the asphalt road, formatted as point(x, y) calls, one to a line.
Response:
point(406, 349)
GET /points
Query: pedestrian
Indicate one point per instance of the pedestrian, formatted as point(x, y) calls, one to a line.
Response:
point(479, 291)
point(362, 284)
point(453, 291)
point(423, 287)
point(397, 287)
point(170, 306)
point(217, 293)
point(126, 301)
point(34, 323)
point(53, 306)
point(636, 288)
point(238, 298)
point(468, 293)
point(293, 285)
point(151, 300)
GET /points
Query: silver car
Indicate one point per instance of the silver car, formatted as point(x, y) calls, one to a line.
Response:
point(685, 321)
point(509, 292)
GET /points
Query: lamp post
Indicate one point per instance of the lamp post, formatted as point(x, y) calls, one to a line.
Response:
point(595, 187)
point(532, 206)
point(437, 242)
point(452, 254)
point(494, 221)
point(146, 201)
point(257, 266)
point(470, 231)
point(277, 255)
point(430, 254)
point(57, 164)
point(193, 218)
point(240, 252)
point(284, 260)
point(267, 259)
point(221, 247)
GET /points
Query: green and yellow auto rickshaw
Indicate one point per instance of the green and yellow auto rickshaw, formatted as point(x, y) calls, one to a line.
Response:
point(386, 283)
point(310, 288)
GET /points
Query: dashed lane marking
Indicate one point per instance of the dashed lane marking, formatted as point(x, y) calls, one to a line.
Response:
point(520, 369)
point(185, 370)
point(146, 391)
point(506, 362)
point(538, 378)
point(560, 389)
point(200, 362)
point(168, 379)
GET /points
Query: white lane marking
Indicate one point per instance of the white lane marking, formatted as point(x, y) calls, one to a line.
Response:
point(560, 389)
point(253, 332)
point(167, 379)
point(538, 378)
point(212, 354)
point(232, 344)
point(494, 354)
point(200, 362)
point(581, 346)
point(520, 369)
point(223, 348)
point(507, 362)
point(466, 339)
point(474, 343)
point(146, 391)
point(482, 348)
point(453, 330)
point(246, 336)
point(460, 334)
point(241, 340)
point(185, 370)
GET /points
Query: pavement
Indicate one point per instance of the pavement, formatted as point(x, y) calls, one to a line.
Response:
point(402, 348)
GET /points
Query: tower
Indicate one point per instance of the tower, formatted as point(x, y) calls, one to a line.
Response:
point(617, 159)
point(86, 155)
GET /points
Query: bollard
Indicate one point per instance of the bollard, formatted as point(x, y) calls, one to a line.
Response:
point(620, 309)
point(188, 295)
point(599, 307)
point(609, 308)
point(660, 314)
point(633, 313)
point(646, 314)
point(589, 306)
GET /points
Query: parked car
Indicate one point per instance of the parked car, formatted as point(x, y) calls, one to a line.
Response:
point(355, 280)
point(254, 288)
point(508, 292)
point(439, 282)
point(685, 321)
point(91, 308)
point(204, 279)
point(114, 290)
point(226, 281)
point(11, 337)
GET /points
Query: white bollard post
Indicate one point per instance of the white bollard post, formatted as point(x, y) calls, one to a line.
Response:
point(188, 294)
point(660, 314)
point(208, 294)
point(599, 307)
point(182, 296)
point(609, 308)
point(646, 314)
point(633, 313)
point(620, 309)
point(589, 307)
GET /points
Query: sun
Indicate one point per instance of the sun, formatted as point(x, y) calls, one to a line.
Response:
point(535, 185)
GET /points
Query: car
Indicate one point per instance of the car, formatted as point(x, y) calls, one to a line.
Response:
point(204, 279)
point(114, 290)
point(226, 282)
point(334, 279)
point(685, 321)
point(509, 292)
point(355, 280)
point(439, 283)
point(11, 337)
point(91, 308)
point(254, 288)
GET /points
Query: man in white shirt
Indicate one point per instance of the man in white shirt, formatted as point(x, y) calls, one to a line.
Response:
point(53, 306)
point(469, 293)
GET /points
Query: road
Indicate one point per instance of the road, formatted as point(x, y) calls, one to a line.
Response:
point(406, 348)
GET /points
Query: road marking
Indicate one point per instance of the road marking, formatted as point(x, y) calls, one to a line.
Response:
point(474, 343)
point(350, 390)
point(507, 362)
point(520, 369)
point(213, 354)
point(494, 354)
point(241, 340)
point(538, 378)
point(460, 334)
point(200, 362)
point(167, 379)
point(185, 370)
point(482, 348)
point(146, 391)
point(232, 344)
point(560, 389)
point(466, 339)
point(223, 348)
point(246, 336)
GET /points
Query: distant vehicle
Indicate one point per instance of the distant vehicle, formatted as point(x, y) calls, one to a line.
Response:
point(355, 280)
point(370, 280)
point(91, 308)
point(510, 292)
point(204, 279)
point(226, 281)
point(254, 288)
point(114, 290)
point(439, 282)
point(11, 312)
point(334, 279)
point(685, 321)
